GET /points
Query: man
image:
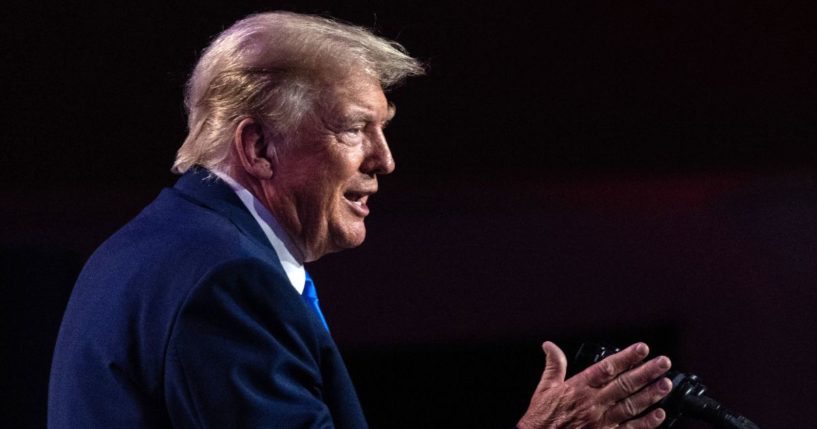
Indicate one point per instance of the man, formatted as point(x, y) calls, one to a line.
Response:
point(192, 316)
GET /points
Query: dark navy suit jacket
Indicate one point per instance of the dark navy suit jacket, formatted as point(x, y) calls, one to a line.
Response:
point(185, 318)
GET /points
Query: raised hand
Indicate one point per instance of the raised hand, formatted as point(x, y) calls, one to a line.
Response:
point(610, 394)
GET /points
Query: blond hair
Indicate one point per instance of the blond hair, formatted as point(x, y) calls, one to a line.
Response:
point(273, 67)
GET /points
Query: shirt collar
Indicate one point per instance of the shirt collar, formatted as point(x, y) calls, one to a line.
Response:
point(276, 235)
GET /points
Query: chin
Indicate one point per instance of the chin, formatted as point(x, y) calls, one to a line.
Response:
point(350, 237)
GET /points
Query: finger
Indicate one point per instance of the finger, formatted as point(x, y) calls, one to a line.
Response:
point(635, 379)
point(555, 364)
point(634, 405)
point(649, 421)
point(605, 371)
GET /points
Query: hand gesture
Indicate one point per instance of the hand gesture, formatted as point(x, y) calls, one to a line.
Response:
point(609, 394)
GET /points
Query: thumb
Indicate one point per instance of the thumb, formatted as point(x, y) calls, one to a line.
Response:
point(555, 364)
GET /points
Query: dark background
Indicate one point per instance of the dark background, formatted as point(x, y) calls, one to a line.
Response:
point(604, 170)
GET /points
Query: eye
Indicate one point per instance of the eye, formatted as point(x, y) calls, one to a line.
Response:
point(355, 131)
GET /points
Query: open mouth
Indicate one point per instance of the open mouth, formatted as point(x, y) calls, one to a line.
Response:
point(358, 201)
point(354, 196)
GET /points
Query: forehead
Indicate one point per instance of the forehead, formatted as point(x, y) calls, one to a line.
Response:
point(359, 95)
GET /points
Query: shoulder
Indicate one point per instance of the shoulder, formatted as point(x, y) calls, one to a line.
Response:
point(172, 251)
point(174, 233)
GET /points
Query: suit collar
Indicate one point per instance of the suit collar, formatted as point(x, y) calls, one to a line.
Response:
point(275, 233)
point(204, 188)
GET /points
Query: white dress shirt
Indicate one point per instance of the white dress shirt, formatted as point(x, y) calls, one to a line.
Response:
point(284, 248)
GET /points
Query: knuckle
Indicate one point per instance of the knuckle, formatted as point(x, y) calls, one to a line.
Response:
point(594, 412)
point(630, 408)
point(625, 384)
point(605, 369)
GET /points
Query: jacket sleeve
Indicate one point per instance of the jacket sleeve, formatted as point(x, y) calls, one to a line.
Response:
point(243, 353)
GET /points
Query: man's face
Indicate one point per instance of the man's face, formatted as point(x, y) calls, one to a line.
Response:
point(325, 176)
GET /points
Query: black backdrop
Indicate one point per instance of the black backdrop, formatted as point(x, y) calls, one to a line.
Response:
point(567, 171)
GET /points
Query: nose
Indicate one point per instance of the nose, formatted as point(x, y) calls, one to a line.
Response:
point(379, 159)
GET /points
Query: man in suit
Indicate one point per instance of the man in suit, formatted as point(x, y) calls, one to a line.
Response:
point(199, 313)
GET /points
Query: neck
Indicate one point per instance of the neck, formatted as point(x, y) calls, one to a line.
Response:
point(264, 196)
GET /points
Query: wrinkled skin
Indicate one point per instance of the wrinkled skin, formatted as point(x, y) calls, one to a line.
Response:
point(610, 394)
point(318, 184)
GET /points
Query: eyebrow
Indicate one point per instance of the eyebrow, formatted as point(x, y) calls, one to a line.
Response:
point(365, 115)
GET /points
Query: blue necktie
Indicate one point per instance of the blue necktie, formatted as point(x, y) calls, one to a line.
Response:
point(310, 296)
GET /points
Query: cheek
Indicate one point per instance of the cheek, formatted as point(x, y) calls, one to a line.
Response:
point(337, 176)
point(326, 192)
point(346, 231)
point(330, 175)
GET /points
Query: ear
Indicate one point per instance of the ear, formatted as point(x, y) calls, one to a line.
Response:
point(252, 149)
